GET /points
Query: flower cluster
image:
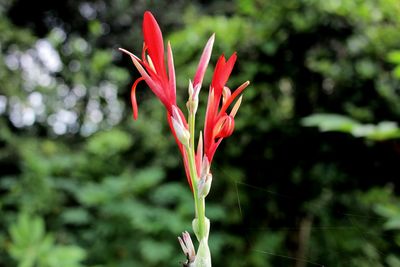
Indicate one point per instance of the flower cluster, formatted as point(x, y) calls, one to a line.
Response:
point(160, 78)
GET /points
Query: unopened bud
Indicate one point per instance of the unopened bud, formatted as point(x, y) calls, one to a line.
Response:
point(181, 132)
point(204, 185)
point(187, 247)
point(224, 127)
point(193, 100)
point(205, 166)
point(190, 89)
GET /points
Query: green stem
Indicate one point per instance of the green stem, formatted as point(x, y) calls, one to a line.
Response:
point(199, 202)
point(203, 257)
point(191, 130)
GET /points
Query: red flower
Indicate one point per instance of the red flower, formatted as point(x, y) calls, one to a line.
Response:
point(218, 124)
point(152, 66)
point(153, 71)
point(161, 80)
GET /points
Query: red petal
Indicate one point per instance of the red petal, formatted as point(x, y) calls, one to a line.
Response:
point(204, 59)
point(224, 127)
point(228, 69)
point(133, 98)
point(232, 97)
point(222, 72)
point(199, 154)
point(154, 41)
point(215, 82)
point(211, 151)
point(171, 74)
point(154, 84)
point(209, 120)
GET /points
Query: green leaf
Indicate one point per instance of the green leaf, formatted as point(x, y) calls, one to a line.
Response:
point(333, 122)
point(394, 57)
point(29, 241)
point(393, 223)
point(64, 256)
point(100, 60)
point(146, 179)
point(387, 210)
point(330, 122)
point(171, 193)
point(76, 216)
point(393, 261)
point(155, 252)
point(109, 143)
point(396, 72)
point(31, 246)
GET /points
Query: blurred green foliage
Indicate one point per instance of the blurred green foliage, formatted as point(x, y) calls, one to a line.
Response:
point(83, 185)
point(31, 246)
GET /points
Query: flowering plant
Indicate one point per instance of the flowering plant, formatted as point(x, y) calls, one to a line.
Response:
point(219, 124)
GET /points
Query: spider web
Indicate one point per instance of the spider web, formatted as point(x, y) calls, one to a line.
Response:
point(351, 223)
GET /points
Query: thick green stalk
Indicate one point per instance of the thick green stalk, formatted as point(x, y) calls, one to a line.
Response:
point(200, 223)
point(198, 200)
point(192, 122)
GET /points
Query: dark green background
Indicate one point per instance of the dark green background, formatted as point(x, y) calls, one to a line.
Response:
point(82, 184)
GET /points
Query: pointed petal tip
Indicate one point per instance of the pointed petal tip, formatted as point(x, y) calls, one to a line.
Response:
point(155, 44)
point(124, 50)
point(203, 63)
point(149, 20)
point(236, 107)
point(148, 14)
point(212, 38)
point(128, 53)
point(233, 56)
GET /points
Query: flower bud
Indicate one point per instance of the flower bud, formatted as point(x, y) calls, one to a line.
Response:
point(181, 132)
point(193, 100)
point(204, 185)
point(187, 247)
point(224, 126)
point(190, 89)
point(205, 166)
